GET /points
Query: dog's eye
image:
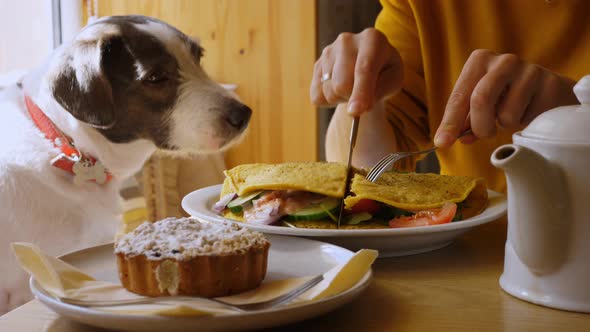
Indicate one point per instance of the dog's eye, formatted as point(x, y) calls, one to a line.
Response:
point(155, 78)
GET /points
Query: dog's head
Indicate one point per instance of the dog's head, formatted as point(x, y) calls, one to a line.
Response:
point(135, 77)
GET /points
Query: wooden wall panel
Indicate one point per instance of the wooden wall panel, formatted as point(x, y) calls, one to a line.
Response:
point(268, 48)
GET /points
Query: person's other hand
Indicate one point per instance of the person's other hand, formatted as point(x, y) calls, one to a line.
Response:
point(499, 89)
point(357, 68)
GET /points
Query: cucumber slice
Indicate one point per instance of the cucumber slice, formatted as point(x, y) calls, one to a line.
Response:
point(318, 211)
point(236, 204)
point(236, 209)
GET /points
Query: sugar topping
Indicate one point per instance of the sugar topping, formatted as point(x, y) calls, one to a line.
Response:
point(185, 238)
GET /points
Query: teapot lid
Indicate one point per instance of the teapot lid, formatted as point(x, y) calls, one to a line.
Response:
point(566, 123)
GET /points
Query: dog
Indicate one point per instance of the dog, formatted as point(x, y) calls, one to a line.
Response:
point(72, 130)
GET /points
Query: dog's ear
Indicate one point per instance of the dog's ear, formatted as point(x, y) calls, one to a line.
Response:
point(82, 85)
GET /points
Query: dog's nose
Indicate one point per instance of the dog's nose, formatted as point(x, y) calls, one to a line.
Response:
point(238, 115)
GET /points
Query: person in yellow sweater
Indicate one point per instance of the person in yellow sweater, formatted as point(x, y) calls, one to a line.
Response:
point(432, 68)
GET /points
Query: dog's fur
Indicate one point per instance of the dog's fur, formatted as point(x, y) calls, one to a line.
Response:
point(126, 86)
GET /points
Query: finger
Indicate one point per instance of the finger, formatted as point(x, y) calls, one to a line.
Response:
point(331, 97)
point(373, 53)
point(343, 70)
point(467, 136)
point(327, 66)
point(457, 106)
point(513, 105)
point(544, 98)
point(486, 95)
point(468, 139)
point(553, 91)
point(316, 92)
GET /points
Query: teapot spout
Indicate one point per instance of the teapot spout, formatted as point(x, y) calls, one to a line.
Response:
point(538, 217)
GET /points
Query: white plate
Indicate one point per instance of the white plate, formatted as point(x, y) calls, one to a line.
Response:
point(389, 241)
point(288, 257)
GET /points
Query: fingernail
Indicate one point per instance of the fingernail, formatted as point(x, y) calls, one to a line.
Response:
point(443, 138)
point(355, 108)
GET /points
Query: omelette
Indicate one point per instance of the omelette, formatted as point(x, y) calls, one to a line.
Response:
point(308, 195)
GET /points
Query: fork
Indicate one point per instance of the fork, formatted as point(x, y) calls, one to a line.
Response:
point(390, 159)
point(272, 303)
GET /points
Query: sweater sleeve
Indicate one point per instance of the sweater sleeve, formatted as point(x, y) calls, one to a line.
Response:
point(406, 111)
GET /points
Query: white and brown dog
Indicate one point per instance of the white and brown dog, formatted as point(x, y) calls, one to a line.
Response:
point(101, 105)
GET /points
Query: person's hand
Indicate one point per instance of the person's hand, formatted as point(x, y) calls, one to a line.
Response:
point(357, 68)
point(499, 89)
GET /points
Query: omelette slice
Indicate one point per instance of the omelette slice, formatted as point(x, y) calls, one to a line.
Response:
point(415, 191)
point(318, 177)
point(294, 190)
point(420, 199)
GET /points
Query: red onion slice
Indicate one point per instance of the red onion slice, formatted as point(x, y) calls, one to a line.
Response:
point(222, 203)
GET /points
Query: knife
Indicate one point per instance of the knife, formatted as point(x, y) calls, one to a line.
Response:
point(353, 132)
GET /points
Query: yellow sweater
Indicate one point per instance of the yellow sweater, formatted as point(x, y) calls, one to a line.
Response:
point(435, 38)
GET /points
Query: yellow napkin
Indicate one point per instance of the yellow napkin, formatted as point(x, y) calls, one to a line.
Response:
point(64, 280)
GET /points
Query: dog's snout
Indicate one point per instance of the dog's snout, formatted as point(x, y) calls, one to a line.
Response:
point(238, 115)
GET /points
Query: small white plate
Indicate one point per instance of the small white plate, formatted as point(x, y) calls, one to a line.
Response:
point(388, 241)
point(288, 257)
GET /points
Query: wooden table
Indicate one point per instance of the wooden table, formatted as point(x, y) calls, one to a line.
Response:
point(451, 289)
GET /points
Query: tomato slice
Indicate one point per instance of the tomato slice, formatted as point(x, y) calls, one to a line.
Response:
point(366, 205)
point(427, 217)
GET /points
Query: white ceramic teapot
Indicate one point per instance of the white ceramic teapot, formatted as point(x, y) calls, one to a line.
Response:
point(547, 258)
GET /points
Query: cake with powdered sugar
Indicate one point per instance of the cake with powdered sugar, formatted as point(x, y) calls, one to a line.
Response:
point(184, 256)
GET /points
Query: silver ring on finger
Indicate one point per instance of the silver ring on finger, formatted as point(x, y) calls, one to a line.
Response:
point(326, 77)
